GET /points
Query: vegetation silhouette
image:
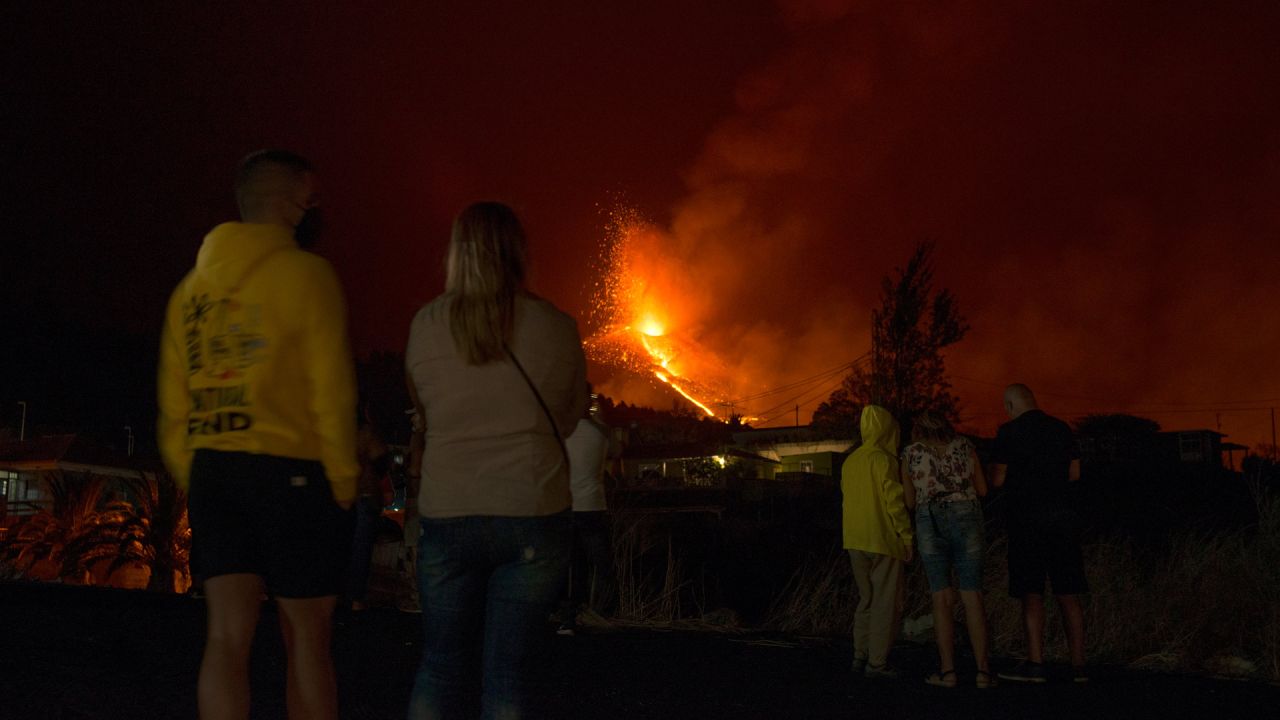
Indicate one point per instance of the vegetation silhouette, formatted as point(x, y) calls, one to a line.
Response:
point(907, 372)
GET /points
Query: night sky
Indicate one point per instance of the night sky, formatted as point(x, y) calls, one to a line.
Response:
point(1101, 178)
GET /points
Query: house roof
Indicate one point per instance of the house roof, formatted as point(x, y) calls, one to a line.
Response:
point(671, 451)
point(1193, 431)
point(793, 433)
point(690, 450)
point(735, 452)
point(65, 452)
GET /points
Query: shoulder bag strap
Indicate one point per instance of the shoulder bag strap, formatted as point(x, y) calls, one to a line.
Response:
point(564, 451)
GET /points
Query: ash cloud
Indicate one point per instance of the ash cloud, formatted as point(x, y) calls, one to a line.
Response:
point(1101, 184)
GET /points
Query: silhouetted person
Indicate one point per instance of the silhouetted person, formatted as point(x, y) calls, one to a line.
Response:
point(257, 421)
point(412, 526)
point(375, 466)
point(592, 578)
point(877, 534)
point(943, 479)
point(499, 377)
point(1035, 460)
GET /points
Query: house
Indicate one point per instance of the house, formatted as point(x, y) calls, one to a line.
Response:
point(1204, 447)
point(800, 452)
point(691, 464)
point(23, 465)
point(821, 464)
point(1197, 447)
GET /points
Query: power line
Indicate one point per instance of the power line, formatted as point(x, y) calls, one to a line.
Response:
point(781, 409)
point(799, 383)
point(1112, 401)
point(1145, 411)
point(804, 381)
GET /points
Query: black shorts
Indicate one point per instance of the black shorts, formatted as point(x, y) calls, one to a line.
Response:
point(1046, 547)
point(269, 516)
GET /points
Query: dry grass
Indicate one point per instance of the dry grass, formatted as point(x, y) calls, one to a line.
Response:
point(1205, 603)
point(648, 592)
point(1201, 603)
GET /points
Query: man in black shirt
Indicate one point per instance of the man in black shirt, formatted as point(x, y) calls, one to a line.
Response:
point(1035, 460)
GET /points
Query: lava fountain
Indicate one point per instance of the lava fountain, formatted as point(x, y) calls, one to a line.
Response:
point(639, 311)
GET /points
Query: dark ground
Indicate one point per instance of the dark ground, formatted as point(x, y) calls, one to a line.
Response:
point(72, 652)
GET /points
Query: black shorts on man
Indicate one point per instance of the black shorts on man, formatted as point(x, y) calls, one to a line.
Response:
point(269, 516)
point(1046, 546)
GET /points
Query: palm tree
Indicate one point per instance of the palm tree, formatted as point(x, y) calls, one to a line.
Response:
point(134, 536)
point(163, 505)
point(111, 539)
point(38, 548)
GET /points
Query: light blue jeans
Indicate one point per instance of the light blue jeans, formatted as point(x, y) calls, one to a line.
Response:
point(950, 536)
point(488, 585)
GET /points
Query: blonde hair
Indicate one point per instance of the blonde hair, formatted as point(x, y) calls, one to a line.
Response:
point(932, 427)
point(485, 269)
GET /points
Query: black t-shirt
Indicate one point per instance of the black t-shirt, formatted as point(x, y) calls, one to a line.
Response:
point(1038, 450)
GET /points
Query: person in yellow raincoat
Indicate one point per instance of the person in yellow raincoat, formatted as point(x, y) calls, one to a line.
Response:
point(877, 534)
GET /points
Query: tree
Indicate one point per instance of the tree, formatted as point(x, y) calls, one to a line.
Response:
point(1117, 424)
point(124, 532)
point(906, 373)
point(837, 416)
point(38, 546)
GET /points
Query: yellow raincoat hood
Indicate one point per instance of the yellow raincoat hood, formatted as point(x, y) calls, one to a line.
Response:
point(875, 515)
point(879, 430)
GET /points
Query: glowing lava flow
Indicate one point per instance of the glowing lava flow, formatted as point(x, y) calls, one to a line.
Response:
point(632, 310)
point(663, 376)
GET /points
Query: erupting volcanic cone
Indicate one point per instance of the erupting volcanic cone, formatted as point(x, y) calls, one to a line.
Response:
point(632, 311)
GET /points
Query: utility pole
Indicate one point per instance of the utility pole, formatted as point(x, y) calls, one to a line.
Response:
point(798, 416)
point(1273, 434)
point(22, 433)
point(129, 430)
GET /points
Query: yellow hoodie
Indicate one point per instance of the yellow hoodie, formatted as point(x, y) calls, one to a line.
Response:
point(875, 514)
point(254, 357)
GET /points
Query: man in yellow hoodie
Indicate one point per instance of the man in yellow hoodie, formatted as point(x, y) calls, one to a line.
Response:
point(877, 534)
point(257, 422)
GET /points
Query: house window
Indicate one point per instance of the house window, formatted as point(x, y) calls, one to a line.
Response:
point(806, 466)
point(1191, 447)
point(5, 477)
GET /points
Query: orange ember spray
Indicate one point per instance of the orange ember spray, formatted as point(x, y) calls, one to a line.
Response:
point(637, 314)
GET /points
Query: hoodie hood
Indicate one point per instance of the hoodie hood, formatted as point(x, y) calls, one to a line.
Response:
point(879, 429)
point(231, 251)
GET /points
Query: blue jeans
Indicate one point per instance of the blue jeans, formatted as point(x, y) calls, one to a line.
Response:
point(488, 585)
point(950, 536)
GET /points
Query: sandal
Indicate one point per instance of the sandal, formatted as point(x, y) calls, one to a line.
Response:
point(942, 678)
point(985, 680)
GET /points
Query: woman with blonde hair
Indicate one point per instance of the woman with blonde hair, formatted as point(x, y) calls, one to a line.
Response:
point(499, 378)
point(943, 479)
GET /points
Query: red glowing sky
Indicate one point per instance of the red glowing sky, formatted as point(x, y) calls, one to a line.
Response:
point(1101, 178)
